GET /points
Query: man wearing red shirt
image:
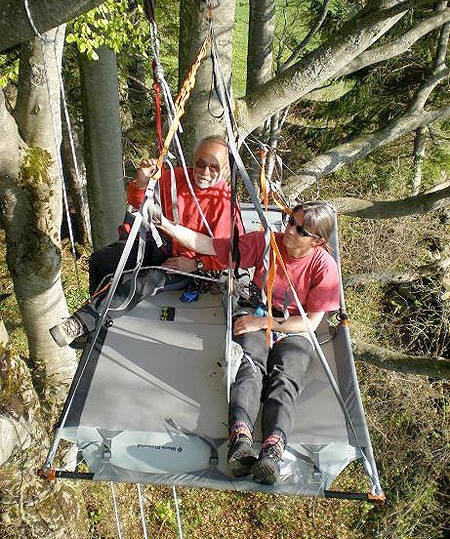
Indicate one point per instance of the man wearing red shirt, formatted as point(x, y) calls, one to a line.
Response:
point(208, 178)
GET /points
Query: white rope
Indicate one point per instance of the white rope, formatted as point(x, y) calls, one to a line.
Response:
point(73, 153)
point(116, 512)
point(177, 511)
point(141, 508)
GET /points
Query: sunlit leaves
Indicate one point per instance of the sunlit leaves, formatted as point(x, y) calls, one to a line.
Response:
point(9, 69)
point(114, 24)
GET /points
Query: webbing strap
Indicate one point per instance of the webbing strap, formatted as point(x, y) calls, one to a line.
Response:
point(174, 194)
point(180, 102)
point(262, 179)
point(270, 281)
point(157, 99)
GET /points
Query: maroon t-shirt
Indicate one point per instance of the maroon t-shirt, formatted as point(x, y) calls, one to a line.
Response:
point(314, 276)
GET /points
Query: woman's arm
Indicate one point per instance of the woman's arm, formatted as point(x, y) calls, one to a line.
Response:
point(295, 324)
point(196, 241)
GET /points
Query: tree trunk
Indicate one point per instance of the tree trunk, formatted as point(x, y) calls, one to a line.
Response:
point(30, 507)
point(260, 43)
point(103, 145)
point(32, 209)
point(203, 111)
point(259, 65)
point(75, 174)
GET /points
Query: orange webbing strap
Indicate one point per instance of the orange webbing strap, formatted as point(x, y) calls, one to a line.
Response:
point(279, 202)
point(180, 103)
point(157, 98)
point(262, 179)
point(275, 256)
point(270, 280)
point(274, 246)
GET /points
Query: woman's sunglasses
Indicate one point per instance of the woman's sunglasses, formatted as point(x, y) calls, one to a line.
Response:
point(300, 230)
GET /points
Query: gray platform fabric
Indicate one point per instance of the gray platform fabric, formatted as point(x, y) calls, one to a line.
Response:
point(149, 404)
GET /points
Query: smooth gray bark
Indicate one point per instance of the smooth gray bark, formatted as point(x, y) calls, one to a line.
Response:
point(32, 206)
point(103, 146)
point(388, 209)
point(314, 69)
point(203, 113)
point(396, 47)
point(260, 43)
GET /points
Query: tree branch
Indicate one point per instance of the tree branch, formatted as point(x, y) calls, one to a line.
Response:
point(346, 153)
point(315, 68)
point(395, 47)
point(312, 32)
point(368, 209)
point(396, 361)
point(436, 268)
point(15, 27)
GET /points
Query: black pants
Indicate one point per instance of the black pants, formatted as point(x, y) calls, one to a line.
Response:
point(276, 378)
point(147, 282)
point(104, 261)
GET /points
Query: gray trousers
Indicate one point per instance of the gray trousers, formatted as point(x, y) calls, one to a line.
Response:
point(276, 379)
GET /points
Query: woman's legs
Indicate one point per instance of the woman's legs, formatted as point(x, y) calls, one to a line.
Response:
point(246, 391)
point(287, 365)
point(245, 401)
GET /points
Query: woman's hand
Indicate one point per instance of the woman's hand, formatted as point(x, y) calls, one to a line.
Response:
point(248, 323)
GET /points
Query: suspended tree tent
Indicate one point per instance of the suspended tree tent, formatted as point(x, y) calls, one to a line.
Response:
point(148, 403)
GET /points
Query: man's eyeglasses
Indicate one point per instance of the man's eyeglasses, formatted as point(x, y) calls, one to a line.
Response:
point(300, 230)
point(213, 167)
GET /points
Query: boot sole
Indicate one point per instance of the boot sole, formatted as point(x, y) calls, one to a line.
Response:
point(242, 466)
point(265, 473)
point(58, 337)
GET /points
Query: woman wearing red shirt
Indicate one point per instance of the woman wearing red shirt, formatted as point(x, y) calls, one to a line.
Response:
point(274, 375)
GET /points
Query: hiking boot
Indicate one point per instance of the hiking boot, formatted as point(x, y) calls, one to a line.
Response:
point(267, 468)
point(241, 455)
point(67, 331)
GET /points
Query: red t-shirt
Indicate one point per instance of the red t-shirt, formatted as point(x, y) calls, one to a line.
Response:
point(214, 202)
point(314, 276)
